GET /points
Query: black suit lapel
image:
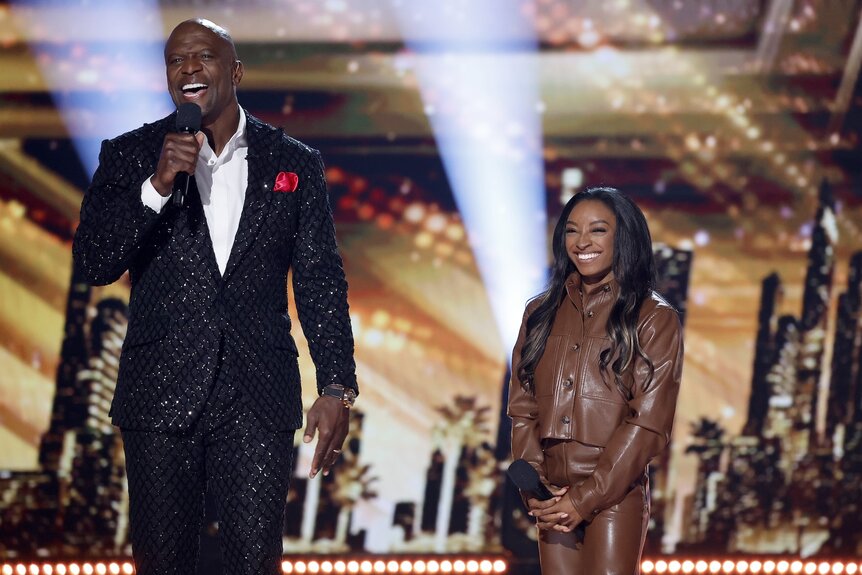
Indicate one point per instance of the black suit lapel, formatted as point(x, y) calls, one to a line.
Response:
point(262, 160)
point(199, 239)
point(189, 222)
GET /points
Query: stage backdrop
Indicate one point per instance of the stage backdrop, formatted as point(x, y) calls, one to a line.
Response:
point(753, 203)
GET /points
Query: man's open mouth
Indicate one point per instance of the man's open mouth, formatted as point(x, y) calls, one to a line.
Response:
point(191, 89)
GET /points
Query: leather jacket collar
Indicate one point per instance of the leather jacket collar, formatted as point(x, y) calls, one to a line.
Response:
point(578, 291)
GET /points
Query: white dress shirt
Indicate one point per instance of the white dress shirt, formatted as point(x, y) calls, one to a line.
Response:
point(221, 181)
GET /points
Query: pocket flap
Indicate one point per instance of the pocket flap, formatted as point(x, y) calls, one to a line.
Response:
point(146, 330)
point(281, 338)
point(596, 420)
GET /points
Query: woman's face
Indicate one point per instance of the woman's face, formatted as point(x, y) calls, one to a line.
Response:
point(590, 240)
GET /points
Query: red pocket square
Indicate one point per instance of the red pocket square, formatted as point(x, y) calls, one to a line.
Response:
point(285, 182)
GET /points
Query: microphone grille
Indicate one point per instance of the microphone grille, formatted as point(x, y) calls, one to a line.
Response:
point(523, 475)
point(188, 117)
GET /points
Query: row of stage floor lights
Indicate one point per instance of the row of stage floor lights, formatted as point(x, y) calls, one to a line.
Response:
point(471, 565)
point(365, 566)
point(756, 566)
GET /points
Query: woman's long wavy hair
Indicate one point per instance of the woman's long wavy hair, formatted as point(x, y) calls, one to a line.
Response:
point(634, 270)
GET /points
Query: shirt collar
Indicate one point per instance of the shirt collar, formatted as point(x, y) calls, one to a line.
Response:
point(577, 289)
point(237, 141)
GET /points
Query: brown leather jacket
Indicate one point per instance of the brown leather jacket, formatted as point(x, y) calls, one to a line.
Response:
point(573, 402)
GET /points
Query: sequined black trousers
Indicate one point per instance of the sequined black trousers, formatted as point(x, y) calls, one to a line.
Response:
point(246, 469)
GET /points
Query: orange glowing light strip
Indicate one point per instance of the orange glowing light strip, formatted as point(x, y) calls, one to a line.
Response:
point(471, 564)
point(390, 564)
point(753, 566)
point(311, 566)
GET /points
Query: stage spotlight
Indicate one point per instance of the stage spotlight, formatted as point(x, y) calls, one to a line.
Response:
point(479, 86)
point(106, 72)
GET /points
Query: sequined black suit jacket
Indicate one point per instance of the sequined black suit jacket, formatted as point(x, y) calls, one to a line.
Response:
point(183, 314)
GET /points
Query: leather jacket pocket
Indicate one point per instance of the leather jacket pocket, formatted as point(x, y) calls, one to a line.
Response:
point(549, 366)
point(595, 420)
point(599, 384)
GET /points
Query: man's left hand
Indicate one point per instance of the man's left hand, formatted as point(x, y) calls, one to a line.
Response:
point(330, 419)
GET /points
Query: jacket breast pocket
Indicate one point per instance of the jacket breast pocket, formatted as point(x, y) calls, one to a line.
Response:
point(548, 367)
point(597, 383)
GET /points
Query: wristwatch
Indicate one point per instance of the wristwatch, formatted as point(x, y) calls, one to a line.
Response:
point(346, 394)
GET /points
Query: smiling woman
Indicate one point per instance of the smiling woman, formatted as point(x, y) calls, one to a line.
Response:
point(591, 411)
point(590, 240)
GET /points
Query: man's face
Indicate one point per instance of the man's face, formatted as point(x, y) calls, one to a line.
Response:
point(202, 68)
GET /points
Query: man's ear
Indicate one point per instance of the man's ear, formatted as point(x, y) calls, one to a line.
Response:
point(237, 72)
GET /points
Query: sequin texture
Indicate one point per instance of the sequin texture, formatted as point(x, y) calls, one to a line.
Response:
point(208, 391)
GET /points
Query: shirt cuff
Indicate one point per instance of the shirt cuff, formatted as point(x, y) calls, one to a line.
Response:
point(151, 198)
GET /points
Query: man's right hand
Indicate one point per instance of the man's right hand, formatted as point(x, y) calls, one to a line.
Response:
point(179, 154)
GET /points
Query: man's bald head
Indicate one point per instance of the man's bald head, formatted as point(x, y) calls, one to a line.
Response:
point(207, 24)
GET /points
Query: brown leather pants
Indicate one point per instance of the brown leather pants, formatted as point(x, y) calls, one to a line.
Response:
point(610, 544)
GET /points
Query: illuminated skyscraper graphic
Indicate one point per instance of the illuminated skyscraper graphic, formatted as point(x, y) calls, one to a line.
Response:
point(782, 488)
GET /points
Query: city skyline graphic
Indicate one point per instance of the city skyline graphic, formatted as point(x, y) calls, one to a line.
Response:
point(789, 483)
point(754, 492)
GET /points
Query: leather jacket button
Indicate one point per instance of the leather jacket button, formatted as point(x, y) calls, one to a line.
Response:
point(589, 314)
point(569, 382)
point(566, 420)
point(576, 347)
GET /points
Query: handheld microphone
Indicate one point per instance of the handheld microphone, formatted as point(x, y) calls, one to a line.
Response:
point(188, 122)
point(525, 478)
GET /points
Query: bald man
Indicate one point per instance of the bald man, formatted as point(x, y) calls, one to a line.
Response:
point(208, 395)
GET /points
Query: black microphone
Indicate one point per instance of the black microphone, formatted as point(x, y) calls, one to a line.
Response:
point(525, 478)
point(188, 122)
